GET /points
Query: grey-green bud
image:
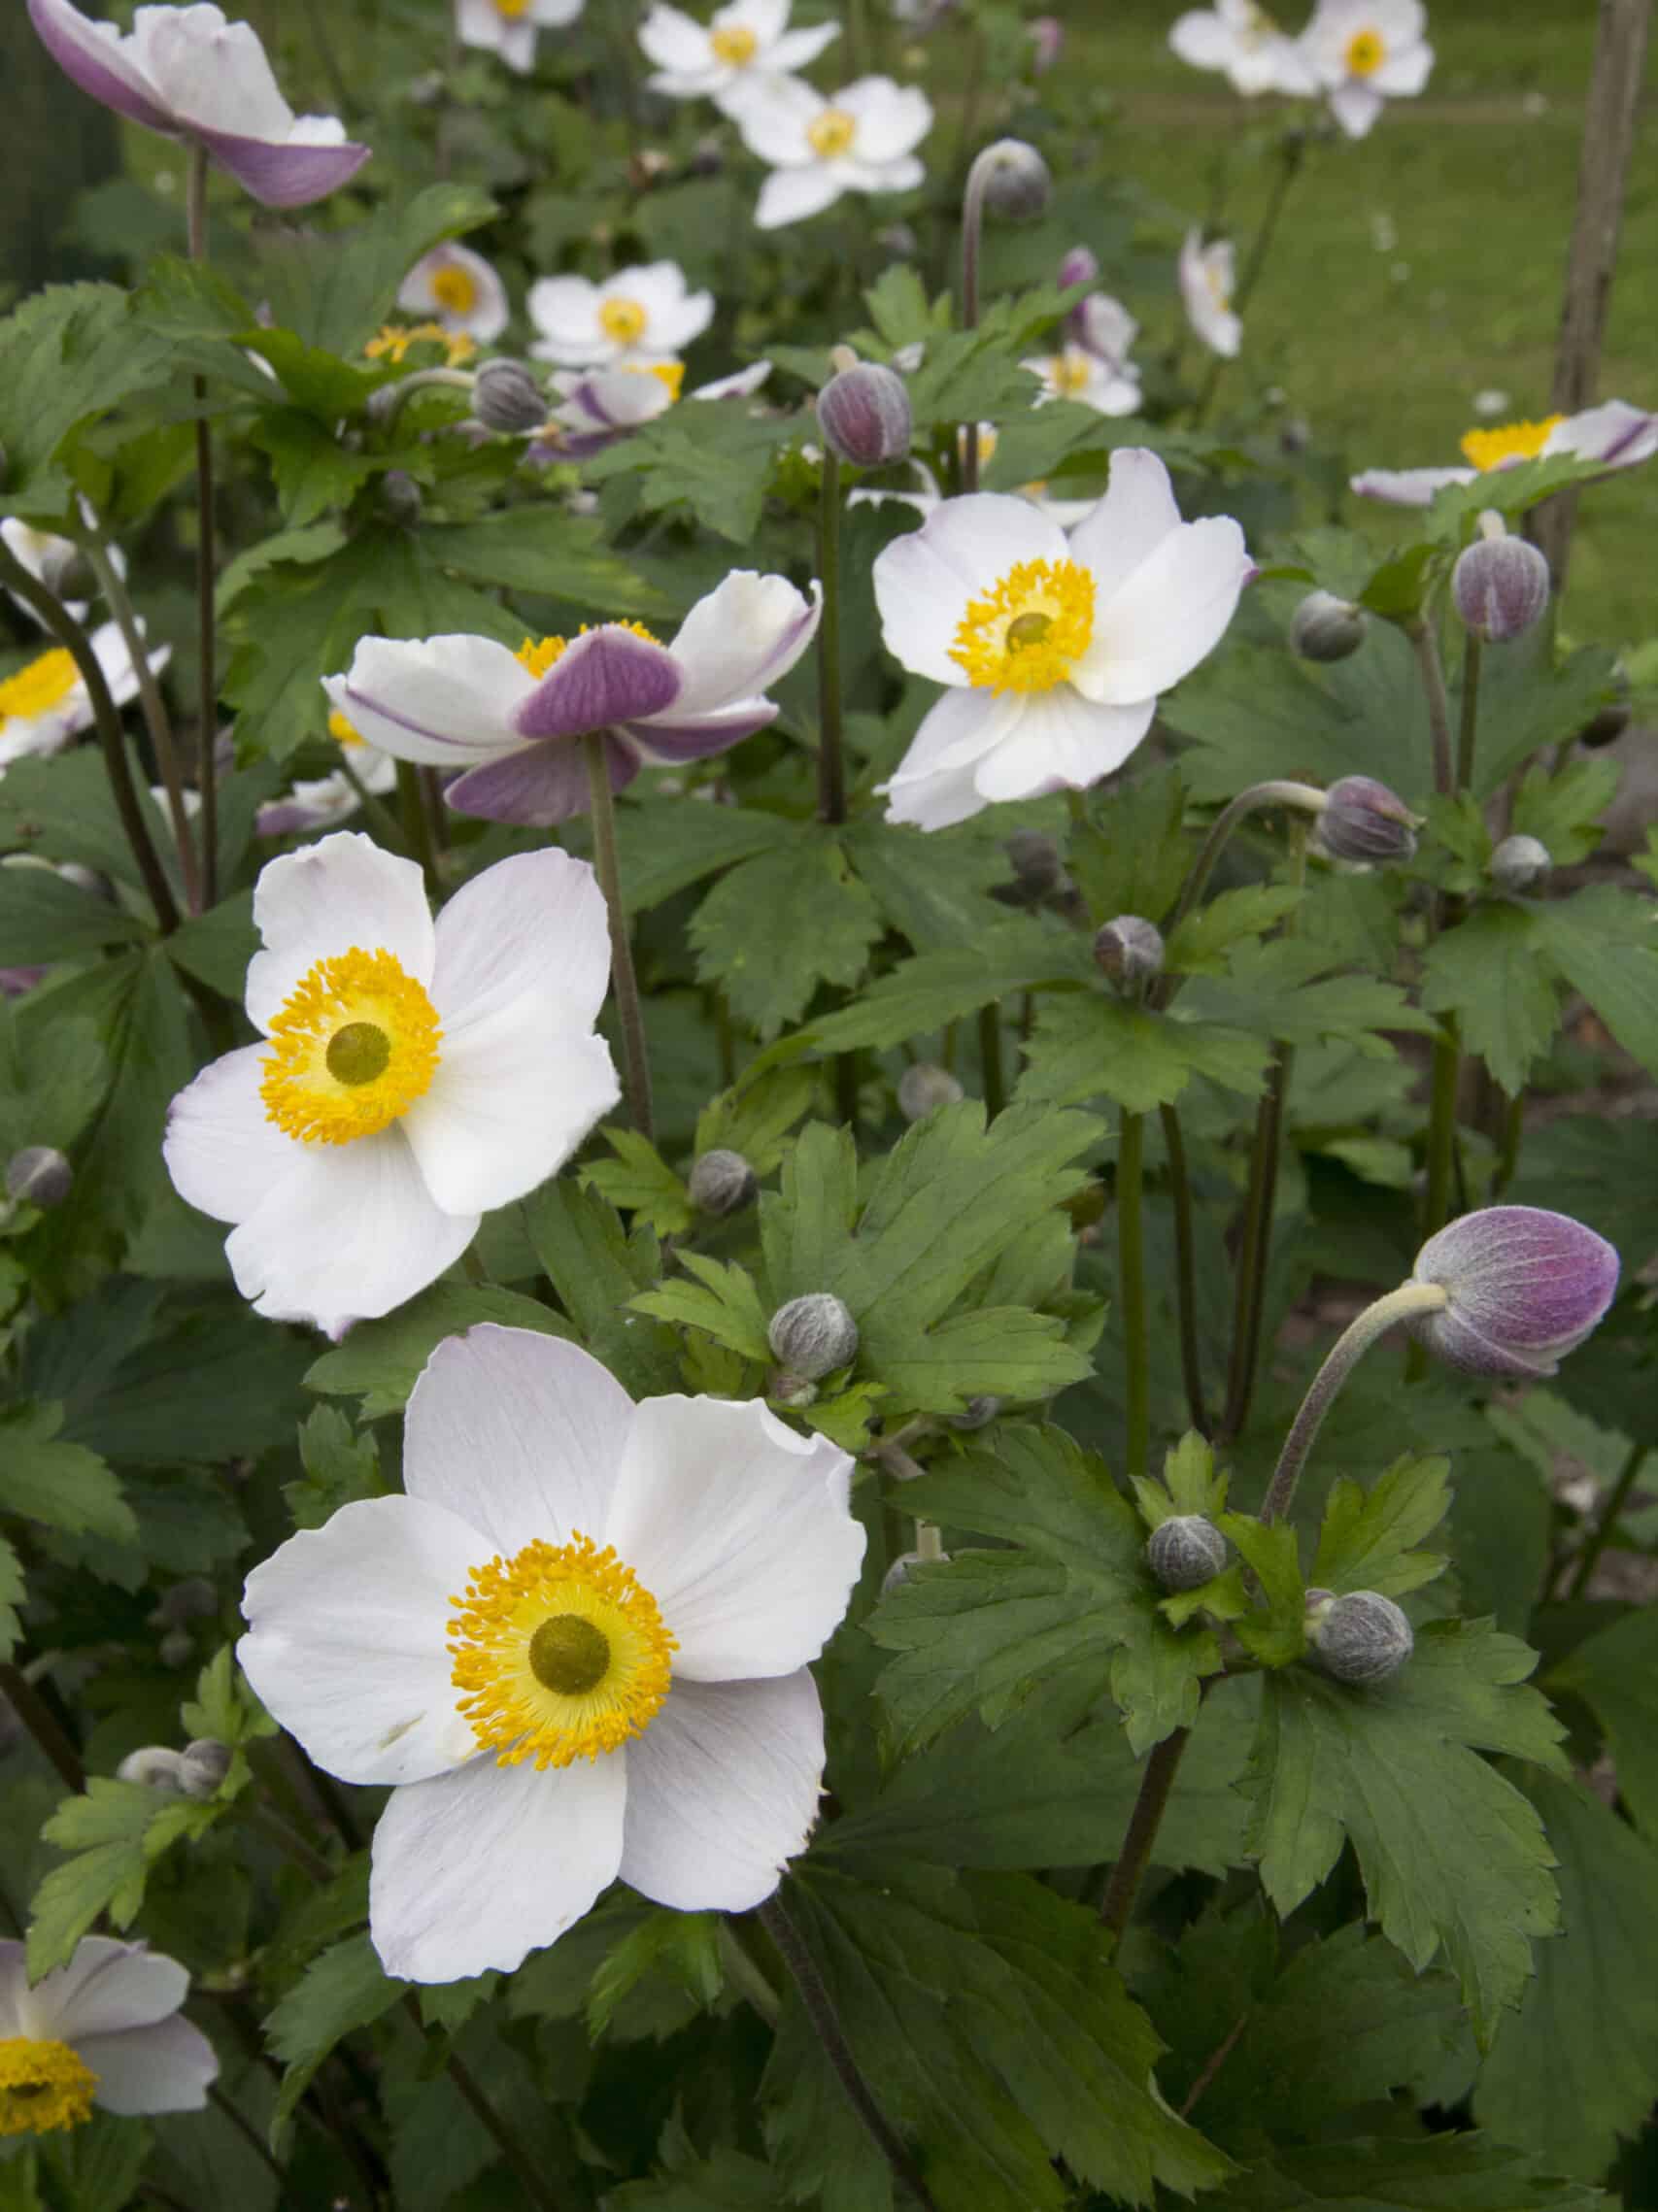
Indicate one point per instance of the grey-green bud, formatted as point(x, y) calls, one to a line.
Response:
point(400, 493)
point(864, 414)
point(203, 1765)
point(1129, 951)
point(506, 397)
point(1038, 868)
point(1362, 1637)
point(1324, 627)
point(1185, 1551)
point(721, 1182)
point(153, 1768)
point(814, 1335)
point(38, 1175)
point(1501, 587)
point(979, 1414)
point(1520, 864)
point(925, 1087)
point(1016, 179)
point(1363, 820)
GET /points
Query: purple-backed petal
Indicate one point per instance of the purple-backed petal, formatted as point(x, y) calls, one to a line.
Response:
point(282, 175)
point(90, 57)
point(703, 735)
point(538, 786)
point(1526, 1287)
point(608, 676)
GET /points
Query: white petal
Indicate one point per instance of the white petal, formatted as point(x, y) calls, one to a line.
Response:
point(347, 1641)
point(1063, 741)
point(210, 72)
point(1202, 41)
point(165, 2068)
point(764, 17)
point(1172, 611)
point(723, 1790)
point(740, 1530)
point(774, 120)
point(1355, 108)
point(519, 1435)
point(350, 1232)
point(222, 1149)
point(925, 583)
point(447, 701)
point(475, 1869)
point(566, 312)
point(672, 40)
point(1404, 73)
point(1408, 486)
point(742, 637)
point(892, 119)
point(797, 50)
point(343, 890)
point(791, 195)
point(107, 1986)
point(1614, 432)
point(934, 784)
point(1129, 524)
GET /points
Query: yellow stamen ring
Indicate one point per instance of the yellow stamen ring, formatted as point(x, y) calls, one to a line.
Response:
point(734, 46)
point(351, 1050)
point(43, 2086)
point(623, 321)
point(455, 291)
point(539, 655)
point(39, 686)
point(1031, 632)
point(1367, 51)
point(1510, 442)
point(831, 133)
point(561, 1654)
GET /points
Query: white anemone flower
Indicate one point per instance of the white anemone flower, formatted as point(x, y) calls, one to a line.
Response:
point(1055, 648)
point(742, 43)
point(639, 314)
point(1365, 52)
point(105, 2029)
point(578, 1647)
point(509, 27)
point(862, 140)
point(47, 557)
point(45, 703)
point(457, 289)
point(1206, 281)
point(507, 719)
point(1077, 373)
point(597, 406)
point(188, 74)
point(409, 1077)
point(1243, 40)
point(1611, 436)
point(322, 802)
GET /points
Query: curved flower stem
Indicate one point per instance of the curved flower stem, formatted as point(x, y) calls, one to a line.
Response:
point(636, 1065)
point(990, 1058)
point(1277, 791)
point(1132, 1862)
point(207, 767)
point(73, 638)
point(390, 399)
point(832, 761)
point(1426, 645)
point(819, 2011)
point(1349, 1350)
point(1131, 1290)
point(1607, 1521)
point(1469, 722)
point(1186, 1268)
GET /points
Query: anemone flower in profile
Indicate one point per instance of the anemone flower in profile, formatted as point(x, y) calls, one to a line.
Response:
point(1207, 278)
point(1611, 436)
point(597, 406)
point(742, 43)
point(643, 315)
point(322, 802)
point(511, 27)
point(188, 74)
point(105, 2031)
point(862, 140)
point(45, 703)
point(459, 290)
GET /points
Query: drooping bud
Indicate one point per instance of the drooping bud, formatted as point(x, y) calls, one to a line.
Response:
point(1038, 868)
point(925, 1087)
point(1361, 820)
point(1129, 951)
point(721, 1182)
point(38, 1175)
point(1520, 863)
point(203, 1765)
point(153, 1768)
point(1523, 1286)
point(1079, 267)
point(400, 493)
point(1500, 588)
point(864, 414)
point(506, 397)
point(1016, 179)
point(1324, 627)
point(1362, 1637)
point(979, 1413)
point(814, 1335)
point(1185, 1551)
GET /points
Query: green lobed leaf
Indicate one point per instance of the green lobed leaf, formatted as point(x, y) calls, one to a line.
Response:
point(335, 288)
point(722, 1301)
point(1370, 1537)
point(725, 2182)
point(343, 1989)
point(47, 1099)
point(1487, 972)
point(666, 844)
point(1137, 863)
point(936, 988)
point(1198, 945)
point(546, 550)
point(12, 1593)
point(113, 1833)
point(341, 1467)
point(782, 923)
point(1616, 1673)
point(754, 1117)
point(1277, 1636)
point(60, 1484)
point(594, 1264)
point(44, 918)
point(381, 1361)
point(69, 353)
point(1094, 1046)
point(640, 1179)
point(1605, 944)
point(932, 884)
point(1447, 2174)
point(1564, 808)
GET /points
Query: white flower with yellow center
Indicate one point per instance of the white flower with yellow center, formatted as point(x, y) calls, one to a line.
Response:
point(1243, 40)
point(862, 140)
point(597, 406)
point(47, 557)
point(459, 290)
point(1365, 52)
point(743, 43)
point(1611, 436)
point(44, 704)
point(320, 802)
point(103, 2030)
point(1055, 648)
point(1076, 373)
point(509, 27)
point(1206, 281)
point(638, 315)
point(410, 1077)
point(579, 1646)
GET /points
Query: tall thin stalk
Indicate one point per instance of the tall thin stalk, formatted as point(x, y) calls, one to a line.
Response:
point(1131, 1291)
point(831, 759)
point(637, 1066)
point(1607, 1520)
point(1426, 647)
point(1128, 1870)
point(207, 768)
point(990, 1059)
point(1469, 727)
point(1292, 153)
point(1185, 1268)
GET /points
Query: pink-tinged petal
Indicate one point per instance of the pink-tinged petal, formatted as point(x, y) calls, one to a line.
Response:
point(1171, 611)
point(1130, 522)
point(166, 2067)
point(223, 1151)
point(740, 1530)
point(1526, 1287)
point(476, 1869)
point(347, 1637)
point(723, 1791)
point(739, 640)
point(93, 58)
point(1408, 486)
point(1614, 433)
point(108, 1987)
point(671, 743)
point(925, 583)
point(539, 785)
point(283, 174)
point(343, 890)
point(520, 1435)
point(1063, 741)
point(447, 701)
point(608, 675)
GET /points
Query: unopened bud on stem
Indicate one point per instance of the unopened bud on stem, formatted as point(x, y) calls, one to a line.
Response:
point(1185, 1551)
point(864, 414)
point(1129, 951)
point(1013, 178)
point(1520, 864)
point(506, 397)
point(1500, 588)
point(1361, 820)
point(38, 1175)
point(1362, 1637)
point(923, 1088)
point(721, 1182)
point(813, 1335)
point(1324, 627)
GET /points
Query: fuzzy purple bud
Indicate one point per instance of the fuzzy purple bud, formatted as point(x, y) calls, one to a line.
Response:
point(1324, 627)
point(1129, 951)
point(1363, 820)
point(1079, 267)
point(864, 414)
point(1500, 588)
point(506, 397)
point(813, 1335)
point(1525, 1287)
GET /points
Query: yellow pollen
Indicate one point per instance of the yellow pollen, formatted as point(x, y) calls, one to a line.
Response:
point(560, 1652)
point(392, 342)
point(671, 373)
point(1366, 54)
point(831, 133)
point(1069, 374)
point(353, 1049)
point(538, 656)
point(341, 731)
point(455, 291)
point(512, 10)
point(1510, 442)
point(623, 321)
point(1030, 633)
point(43, 684)
point(734, 47)
point(43, 2086)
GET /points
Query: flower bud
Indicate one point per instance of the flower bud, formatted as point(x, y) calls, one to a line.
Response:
point(1016, 179)
point(864, 414)
point(1524, 1286)
point(1520, 863)
point(1129, 951)
point(1362, 1637)
point(203, 1765)
point(400, 495)
point(1324, 627)
point(979, 1414)
point(1361, 820)
point(506, 396)
point(153, 1768)
point(814, 1335)
point(1079, 267)
point(902, 1566)
point(1185, 1551)
point(1038, 868)
point(1500, 588)
point(721, 1182)
point(1047, 38)
point(38, 1175)
point(923, 1088)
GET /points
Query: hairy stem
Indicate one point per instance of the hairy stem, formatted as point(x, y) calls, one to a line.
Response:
point(1427, 648)
point(1607, 1519)
point(1186, 1269)
point(973, 239)
point(1278, 792)
point(1130, 1290)
point(831, 758)
point(527, 2167)
point(637, 1066)
point(1441, 1128)
point(207, 682)
point(1469, 725)
point(1127, 1874)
